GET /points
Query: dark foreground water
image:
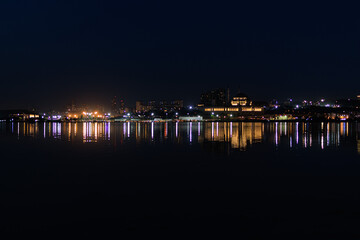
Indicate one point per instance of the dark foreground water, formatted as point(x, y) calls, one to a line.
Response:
point(252, 180)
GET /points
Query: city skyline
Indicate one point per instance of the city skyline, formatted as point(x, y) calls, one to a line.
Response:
point(57, 52)
point(104, 103)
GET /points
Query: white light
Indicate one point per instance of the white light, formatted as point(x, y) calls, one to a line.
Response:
point(152, 114)
point(231, 115)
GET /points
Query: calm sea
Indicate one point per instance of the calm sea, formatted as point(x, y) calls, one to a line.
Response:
point(250, 179)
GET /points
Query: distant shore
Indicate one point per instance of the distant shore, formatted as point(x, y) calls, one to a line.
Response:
point(174, 120)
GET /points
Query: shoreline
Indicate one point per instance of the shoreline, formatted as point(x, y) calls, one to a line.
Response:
point(172, 120)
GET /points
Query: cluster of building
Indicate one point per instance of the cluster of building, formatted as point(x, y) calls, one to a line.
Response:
point(216, 104)
point(166, 106)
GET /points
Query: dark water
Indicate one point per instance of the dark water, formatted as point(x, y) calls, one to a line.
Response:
point(252, 180)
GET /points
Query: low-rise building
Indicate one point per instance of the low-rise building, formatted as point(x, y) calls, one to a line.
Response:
point(191, 118)
point(174, 105)
point(18, 115)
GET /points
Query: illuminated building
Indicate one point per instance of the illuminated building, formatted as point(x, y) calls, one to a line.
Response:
point(245, 104)
point(239, 105)
point(191, 118)
point(252, 109)
point(19, 115)
point(241, 99)
point(222, 109)
point(228, 110)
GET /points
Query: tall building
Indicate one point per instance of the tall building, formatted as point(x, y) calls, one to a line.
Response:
point(122, 108)
point(216, 97)
point(114, 107)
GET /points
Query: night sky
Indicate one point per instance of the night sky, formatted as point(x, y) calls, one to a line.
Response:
point(55, 52)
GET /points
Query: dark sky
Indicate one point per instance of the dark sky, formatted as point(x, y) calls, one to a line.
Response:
point(53, 52)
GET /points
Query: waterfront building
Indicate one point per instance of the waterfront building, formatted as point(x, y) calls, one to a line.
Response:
point(241, 99)
point(18, 115)
point(239, 105)
point(191, 118)
point(229, 110)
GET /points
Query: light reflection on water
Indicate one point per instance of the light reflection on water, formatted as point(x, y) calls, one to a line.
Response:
point(238, 135)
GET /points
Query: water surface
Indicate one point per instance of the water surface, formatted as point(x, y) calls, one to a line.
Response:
point(249, 179)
